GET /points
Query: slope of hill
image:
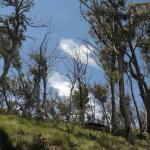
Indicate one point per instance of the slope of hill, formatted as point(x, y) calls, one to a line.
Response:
point(25, 134)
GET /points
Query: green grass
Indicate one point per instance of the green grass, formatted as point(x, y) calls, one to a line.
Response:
point(26, 134)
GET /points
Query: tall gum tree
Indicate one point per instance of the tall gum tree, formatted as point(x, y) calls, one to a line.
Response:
point(123, 25)
point(12, 28)
point(108, 61)
point(103, 18)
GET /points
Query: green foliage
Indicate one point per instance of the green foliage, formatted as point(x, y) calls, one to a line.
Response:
point(77, 97)
point(39, 64)
point(100, 92)
point(108, 59)
point(12, 29)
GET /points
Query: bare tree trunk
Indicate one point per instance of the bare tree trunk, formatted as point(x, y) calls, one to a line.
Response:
point(81, 117)
point(37, 97)
point(70, 102)
point(148, 120)
point(114, 117)
point(135, 104)
point(45, 97)
point(7, 63)
point(144, 90)
point(123, 104)
point(105, 114)
point(9, 107)
point(145, 122)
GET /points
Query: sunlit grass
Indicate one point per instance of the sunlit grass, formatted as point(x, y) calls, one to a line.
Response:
point(25, 131)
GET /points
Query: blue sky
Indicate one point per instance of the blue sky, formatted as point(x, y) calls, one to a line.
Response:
point(66, 17)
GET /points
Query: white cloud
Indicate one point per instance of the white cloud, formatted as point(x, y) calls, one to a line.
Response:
point(77, 51)
point(58, 82)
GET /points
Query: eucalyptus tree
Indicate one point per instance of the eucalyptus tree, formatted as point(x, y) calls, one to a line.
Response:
point(138, 26)
point(126, 27)
point(135, 103)
point(76, 73)
point(80, 99)
point(108, 62)
point(103, 18)
point(101, 94)
point(5, 90)
point(12, 29)
point(42, 62)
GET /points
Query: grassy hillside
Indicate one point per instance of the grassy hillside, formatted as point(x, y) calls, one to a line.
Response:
point(43, 135)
